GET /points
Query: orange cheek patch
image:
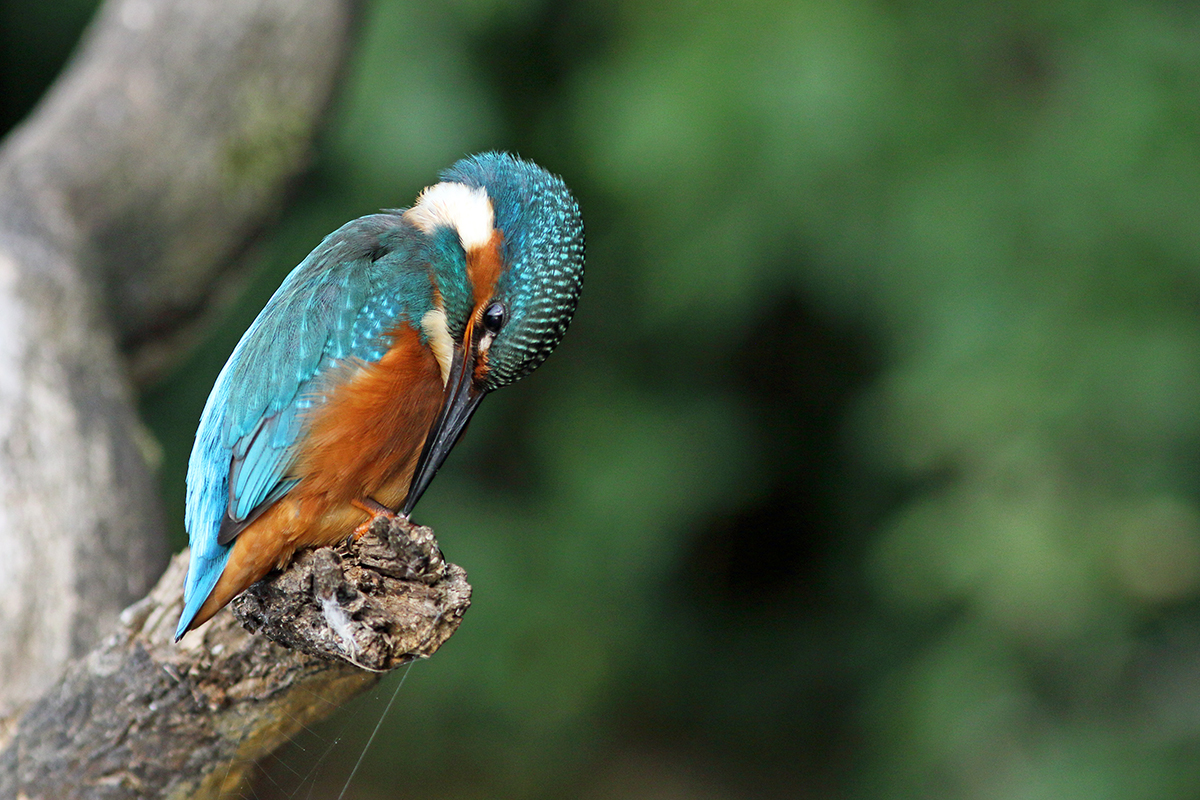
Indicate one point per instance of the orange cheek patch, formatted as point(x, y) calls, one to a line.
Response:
point(481, 368)
point(484, 265)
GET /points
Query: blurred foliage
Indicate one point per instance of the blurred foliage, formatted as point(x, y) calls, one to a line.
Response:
point(870, 466)
point(35, 40)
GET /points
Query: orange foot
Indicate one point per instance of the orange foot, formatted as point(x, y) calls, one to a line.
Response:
point(375, 509)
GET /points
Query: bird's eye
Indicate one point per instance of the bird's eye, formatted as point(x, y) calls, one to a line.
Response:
point(494, 316)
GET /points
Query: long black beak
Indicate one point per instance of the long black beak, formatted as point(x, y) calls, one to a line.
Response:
point(459, 403)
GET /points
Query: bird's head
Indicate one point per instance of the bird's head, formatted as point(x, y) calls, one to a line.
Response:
point(508, 239)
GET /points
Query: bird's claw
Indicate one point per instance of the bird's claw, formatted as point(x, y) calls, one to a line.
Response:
point(376, 510)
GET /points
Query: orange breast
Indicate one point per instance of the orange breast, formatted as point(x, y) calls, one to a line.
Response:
point(365, 439)
point(362, 442)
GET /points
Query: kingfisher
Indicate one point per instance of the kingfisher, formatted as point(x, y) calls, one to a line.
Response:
point(346, 394)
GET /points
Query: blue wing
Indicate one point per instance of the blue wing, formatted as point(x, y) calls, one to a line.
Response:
point(338, 304)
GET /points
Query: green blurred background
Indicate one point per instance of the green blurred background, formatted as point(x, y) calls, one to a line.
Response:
point(870, 465)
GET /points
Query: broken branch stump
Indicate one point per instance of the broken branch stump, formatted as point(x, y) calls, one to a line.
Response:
point(141, 716)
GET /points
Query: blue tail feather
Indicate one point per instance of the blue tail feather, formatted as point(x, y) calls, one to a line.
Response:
point(203, 573)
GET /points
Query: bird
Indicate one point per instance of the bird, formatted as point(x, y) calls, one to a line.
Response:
point(347, 392)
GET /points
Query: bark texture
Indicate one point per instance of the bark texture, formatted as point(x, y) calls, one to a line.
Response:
point(143, 717)
point(124, 197)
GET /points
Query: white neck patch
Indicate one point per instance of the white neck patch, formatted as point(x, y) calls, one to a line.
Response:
point(440, 342)
point(458, 206)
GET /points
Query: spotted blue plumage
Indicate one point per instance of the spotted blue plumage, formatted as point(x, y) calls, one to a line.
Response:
point(339, 304)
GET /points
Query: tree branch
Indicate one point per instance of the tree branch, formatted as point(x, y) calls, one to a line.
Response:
point(141, 716)
point(169, 141)
point(124, 198)
point(124, 201)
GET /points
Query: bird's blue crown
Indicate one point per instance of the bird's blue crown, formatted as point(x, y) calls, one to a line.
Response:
point(544, 249)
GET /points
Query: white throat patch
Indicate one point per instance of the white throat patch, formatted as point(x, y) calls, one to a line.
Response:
point(434, 326)
point(458, 206)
